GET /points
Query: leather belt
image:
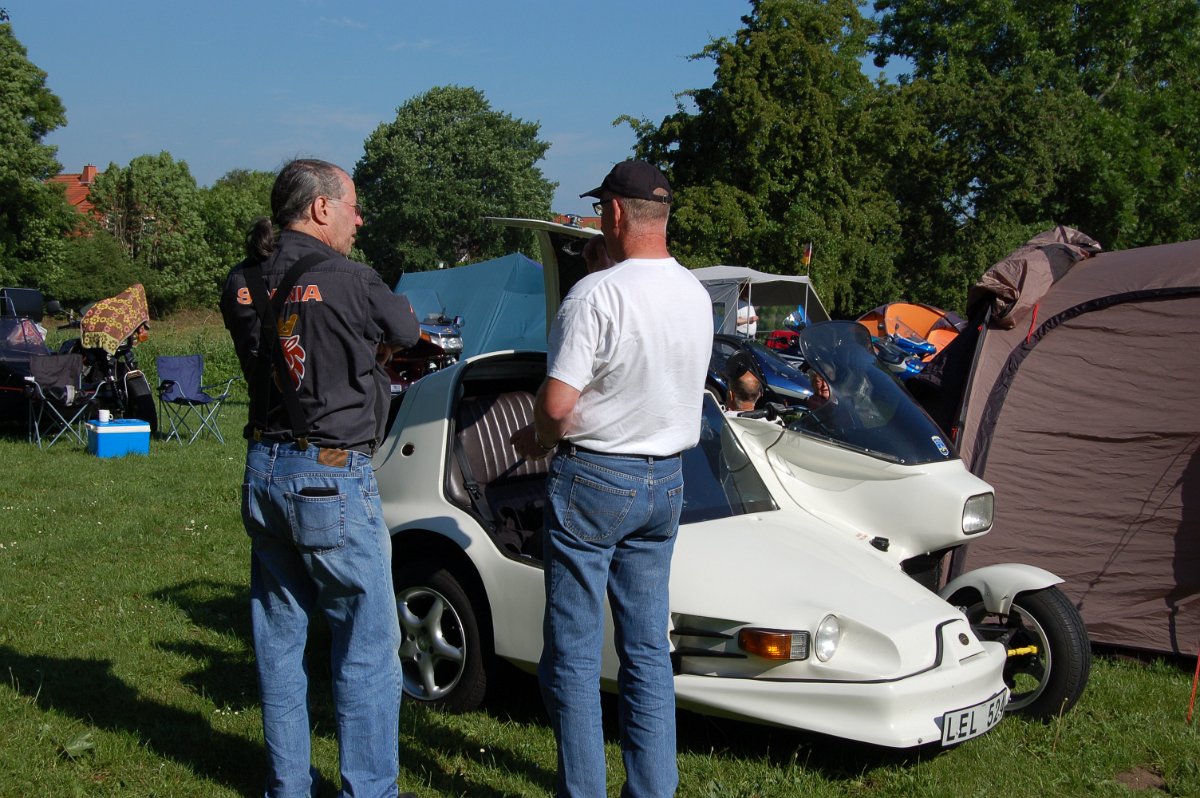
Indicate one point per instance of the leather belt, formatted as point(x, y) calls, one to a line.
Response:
point(566, 447)
point(326, 455)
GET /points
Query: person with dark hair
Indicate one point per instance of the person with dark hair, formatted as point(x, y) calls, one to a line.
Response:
point(635, 335)
point(310, 504)
point(744, 392)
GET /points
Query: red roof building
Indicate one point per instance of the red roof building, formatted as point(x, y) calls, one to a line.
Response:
point(78, 187)
point(580, 221)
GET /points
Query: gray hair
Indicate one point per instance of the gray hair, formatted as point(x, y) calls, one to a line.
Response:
point(297, 185)
point(640, 212)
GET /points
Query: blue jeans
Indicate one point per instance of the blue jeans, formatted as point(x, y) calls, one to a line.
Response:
point(318, 541)
point(610, 529)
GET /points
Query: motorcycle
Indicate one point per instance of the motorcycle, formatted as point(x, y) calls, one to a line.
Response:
point(440, 345)
point(109, 331)
point(902, 349)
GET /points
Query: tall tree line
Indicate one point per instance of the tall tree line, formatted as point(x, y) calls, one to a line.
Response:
point(1011, 116)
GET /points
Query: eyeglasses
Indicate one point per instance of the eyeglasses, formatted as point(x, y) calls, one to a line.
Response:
point(598, 207)
point(354, 205)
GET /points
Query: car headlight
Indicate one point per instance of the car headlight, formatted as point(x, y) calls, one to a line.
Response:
point(977, 514)
point(774, 643)
point(829, 634)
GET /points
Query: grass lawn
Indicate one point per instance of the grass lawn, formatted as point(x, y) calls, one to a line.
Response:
point(127, 668)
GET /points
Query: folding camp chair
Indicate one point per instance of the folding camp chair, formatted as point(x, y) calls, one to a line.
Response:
point(58, 401)
point(183, 401)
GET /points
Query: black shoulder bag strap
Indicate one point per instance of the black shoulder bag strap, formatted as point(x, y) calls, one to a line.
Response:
point(268, 310)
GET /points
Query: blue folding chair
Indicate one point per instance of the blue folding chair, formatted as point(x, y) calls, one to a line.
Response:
point(187, 405)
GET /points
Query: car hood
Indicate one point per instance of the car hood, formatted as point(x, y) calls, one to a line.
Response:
point(789, 570)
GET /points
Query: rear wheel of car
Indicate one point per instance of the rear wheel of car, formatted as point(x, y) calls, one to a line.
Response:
point(1049, 656)
point(441, 652)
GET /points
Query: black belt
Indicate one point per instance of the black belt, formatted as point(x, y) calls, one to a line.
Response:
point(566, 447)
point(263, 437)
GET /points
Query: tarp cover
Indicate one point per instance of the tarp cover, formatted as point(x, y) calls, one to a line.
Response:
point(110, 321)
point(1081, 413)
point(502, 302)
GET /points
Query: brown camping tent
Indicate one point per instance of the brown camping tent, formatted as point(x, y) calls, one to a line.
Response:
point(1081, 411)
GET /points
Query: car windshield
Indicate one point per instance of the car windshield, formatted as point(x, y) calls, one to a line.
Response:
point(718, 478)
point(867, 409)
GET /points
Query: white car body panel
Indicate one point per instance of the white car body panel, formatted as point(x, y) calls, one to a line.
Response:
point(906, 656)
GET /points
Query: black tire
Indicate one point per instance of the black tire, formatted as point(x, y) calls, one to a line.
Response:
point(441, 650)
point(1049, 657)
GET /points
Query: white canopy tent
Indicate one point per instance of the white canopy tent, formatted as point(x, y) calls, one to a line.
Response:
point(725, 282)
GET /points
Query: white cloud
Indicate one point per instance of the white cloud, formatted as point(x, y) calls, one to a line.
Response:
point(344, 22)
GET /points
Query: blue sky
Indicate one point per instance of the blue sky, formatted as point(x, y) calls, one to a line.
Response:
point(250, 84)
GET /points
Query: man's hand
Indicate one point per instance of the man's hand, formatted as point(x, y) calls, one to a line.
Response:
point(525, 442)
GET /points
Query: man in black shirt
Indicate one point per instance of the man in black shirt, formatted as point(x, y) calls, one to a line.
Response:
point(318, 405)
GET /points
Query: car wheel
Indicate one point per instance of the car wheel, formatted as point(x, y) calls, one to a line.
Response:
point(440, 650)
point(1049, 656)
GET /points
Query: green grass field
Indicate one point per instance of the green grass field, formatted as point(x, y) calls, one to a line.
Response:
point(127, 669)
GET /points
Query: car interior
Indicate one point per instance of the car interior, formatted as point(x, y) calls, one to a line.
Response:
point(486, 477)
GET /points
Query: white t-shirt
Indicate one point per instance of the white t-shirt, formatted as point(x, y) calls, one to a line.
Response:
point(745, 311)
point(635, 340)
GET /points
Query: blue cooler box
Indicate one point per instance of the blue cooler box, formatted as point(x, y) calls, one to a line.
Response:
point(118, 437)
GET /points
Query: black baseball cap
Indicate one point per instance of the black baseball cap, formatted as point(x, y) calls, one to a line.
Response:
point(635, 180)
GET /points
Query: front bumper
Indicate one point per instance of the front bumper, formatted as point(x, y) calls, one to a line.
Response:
point(900, 713)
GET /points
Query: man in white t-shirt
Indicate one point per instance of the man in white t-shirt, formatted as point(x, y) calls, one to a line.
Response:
point(747, 318)
point(629, 350)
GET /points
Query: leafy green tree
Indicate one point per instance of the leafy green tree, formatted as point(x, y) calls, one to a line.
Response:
point(1024, 115)
point(94, 266)
point(782, 151)
point(229, 206)
point(153, 208)
point(34, 216)
point(429, 177)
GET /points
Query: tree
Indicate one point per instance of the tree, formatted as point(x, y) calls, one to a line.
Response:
point(1024, 115)
point(782, 150)
point(34, 216)
point(153, 208)
point(94, 266)
point(229, 206)
point(427, 179)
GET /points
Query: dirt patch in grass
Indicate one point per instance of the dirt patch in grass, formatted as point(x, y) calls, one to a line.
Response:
point(1142, 779)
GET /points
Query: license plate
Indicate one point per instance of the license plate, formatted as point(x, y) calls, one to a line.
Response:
point(963, 724)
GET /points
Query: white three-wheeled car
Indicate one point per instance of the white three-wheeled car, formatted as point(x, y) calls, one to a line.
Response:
point(807, 587)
